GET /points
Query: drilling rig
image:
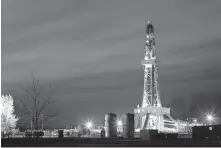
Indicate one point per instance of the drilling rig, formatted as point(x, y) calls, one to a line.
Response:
point(151, 114)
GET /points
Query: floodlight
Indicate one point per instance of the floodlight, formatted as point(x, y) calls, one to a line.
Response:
point(210, 117)
point(89, 124)
point(119, 123)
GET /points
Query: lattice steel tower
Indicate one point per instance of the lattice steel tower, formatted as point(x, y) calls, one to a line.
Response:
point(151, 114)
point(151, 95)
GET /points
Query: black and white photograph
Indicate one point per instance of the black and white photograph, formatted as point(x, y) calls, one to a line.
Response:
point(110, 73)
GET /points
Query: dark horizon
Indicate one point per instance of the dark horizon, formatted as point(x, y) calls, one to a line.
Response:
point(90, 51)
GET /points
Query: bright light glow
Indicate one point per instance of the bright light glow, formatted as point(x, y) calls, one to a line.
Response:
point(119, 122)
point(89, 124)
point(209, 117)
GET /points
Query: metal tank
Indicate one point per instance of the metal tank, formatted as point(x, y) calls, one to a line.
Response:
point(128, 125)
point(110, 125)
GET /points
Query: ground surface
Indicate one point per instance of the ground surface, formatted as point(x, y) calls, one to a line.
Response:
point(46, 142)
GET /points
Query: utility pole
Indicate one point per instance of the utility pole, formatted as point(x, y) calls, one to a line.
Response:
point(31, 129)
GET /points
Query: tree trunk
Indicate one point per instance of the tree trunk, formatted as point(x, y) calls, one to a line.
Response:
point(36, 123)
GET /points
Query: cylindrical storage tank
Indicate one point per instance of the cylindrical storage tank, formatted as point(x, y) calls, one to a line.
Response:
point(128, 125)
point(110, 125)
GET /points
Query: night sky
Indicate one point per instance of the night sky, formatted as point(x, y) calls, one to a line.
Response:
point(90, 51)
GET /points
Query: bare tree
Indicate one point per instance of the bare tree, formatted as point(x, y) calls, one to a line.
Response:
point(36, 103)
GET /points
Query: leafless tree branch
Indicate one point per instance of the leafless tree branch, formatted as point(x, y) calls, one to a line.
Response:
point(34, 94)
point(26, 111)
